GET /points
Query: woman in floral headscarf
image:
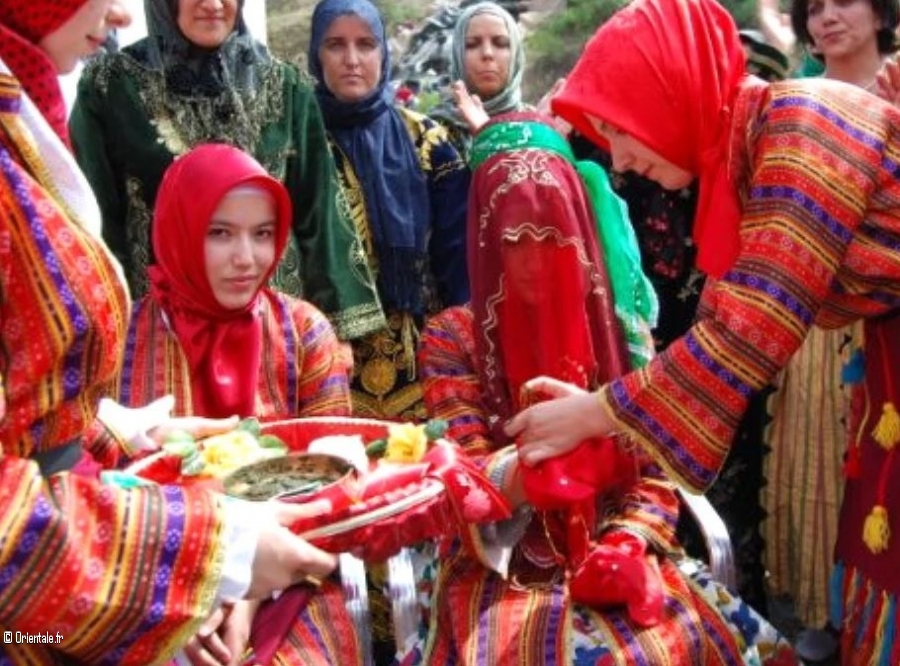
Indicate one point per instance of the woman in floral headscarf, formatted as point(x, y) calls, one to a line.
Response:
point(200, 76)
point(106, 576)
point(797, 221)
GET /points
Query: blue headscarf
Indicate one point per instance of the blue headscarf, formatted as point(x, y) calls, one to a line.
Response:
point(373, 136)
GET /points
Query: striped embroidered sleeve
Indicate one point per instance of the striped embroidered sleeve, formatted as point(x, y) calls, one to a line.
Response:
point(323, 387)
point(816, 166)
point(125, 577)
point(452, 390)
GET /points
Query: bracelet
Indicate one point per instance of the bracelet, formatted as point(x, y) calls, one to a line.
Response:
point(498, 472)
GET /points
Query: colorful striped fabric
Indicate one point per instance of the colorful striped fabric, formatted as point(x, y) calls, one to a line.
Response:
point(527, 618)
point(304, 372)
point(820, 244)
point(121, 577)
point(304, 368)
point(807, 440)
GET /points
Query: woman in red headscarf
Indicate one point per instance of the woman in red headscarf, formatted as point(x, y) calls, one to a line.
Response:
point(798, 221)
point(212, 334)
point(581, 573)
point(91, 573)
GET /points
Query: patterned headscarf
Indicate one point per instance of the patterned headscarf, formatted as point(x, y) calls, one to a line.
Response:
point(510, 96)
point(222, 345)
point(23, 23)
point(192, 70)
point(373, 136)
point(667, 72)
point(532, 225)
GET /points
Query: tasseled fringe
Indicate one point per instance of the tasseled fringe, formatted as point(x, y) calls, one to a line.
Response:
point(877, 530)
point(867, 616)
point(887, 430)
point(836, 595)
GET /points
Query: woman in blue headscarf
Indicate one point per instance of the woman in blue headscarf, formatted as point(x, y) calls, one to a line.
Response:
point(407, 188)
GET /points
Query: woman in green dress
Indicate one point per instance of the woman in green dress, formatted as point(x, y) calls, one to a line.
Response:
point(407, 187)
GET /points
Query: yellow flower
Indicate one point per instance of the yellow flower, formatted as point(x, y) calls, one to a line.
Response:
point(406, 443)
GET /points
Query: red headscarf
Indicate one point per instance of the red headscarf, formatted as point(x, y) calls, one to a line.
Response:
point(23, 23)
point(542, 300)
point(543, 305)
point(222, 346)
point(667, 72)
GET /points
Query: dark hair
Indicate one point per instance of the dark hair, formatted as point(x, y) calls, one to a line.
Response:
point(888, 11)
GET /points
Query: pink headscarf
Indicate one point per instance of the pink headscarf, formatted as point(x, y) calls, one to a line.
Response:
point(23, 23)
point(222, 346)
point(667, 72)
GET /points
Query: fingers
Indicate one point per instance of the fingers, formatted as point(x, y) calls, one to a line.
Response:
point(283, 559)
point(201, 427)
point(206, 647)
point(555, 388)
point(287, 514)
point(311, 562)
point(532, 454)
point(517, 424)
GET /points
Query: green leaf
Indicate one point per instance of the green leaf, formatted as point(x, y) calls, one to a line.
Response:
point(376, 448)
point(178, 436)
point(251, 425)
point(435, 429)
point(273, 442)
point(183, 448)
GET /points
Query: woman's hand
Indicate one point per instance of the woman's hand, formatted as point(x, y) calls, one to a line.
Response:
point(888, 82)
point(197, 426)
point(469, 106)
point(549, 429)
point(282, 558)
point(223, 639)
point(544, 106)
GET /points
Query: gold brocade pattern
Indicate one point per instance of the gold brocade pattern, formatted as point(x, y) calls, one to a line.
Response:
point(286, 277)
point(384, 381)
point(183, 122)
point(138, 232)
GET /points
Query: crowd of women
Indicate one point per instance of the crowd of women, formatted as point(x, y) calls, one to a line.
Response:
point(297, 245)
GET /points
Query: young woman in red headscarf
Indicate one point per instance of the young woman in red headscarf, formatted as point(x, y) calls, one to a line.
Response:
point(212, 334)
point(91, 573)
point(798, 221)
point(581, 573)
